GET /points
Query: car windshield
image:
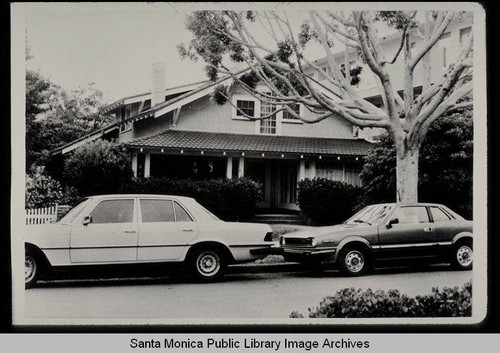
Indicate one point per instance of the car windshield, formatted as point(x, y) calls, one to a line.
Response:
point(373, 214)
point(75, 211)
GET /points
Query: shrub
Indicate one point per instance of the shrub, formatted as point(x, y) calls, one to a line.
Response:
point(229, 199)
point(355, 303)
point(98, 167)
point(327, 201)
point(41, 189)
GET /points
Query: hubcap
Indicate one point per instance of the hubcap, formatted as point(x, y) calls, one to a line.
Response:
point(29, 268)
point(464, 255)
point(208, 263)
point(354, 261)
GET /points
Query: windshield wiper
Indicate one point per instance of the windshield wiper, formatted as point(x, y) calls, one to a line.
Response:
point(361, 221)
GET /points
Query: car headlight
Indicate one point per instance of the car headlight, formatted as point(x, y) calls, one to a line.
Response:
point(312, 241)
point(282, 240)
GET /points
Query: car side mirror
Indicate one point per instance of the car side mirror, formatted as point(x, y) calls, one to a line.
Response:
point(87, 220)
point(391, 222)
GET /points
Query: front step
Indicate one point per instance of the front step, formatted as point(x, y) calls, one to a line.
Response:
point(279, 218)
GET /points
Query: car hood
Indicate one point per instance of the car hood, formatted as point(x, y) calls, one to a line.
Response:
point(44, 235)
point(339, 229)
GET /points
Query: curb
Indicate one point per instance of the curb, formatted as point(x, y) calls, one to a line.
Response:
point(266, 268)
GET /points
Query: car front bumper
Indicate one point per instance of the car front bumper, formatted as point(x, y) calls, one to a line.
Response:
point(308, 255)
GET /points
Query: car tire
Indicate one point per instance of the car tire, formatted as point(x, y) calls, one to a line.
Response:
point(353, 261)
point(207, 264)
point(32, 268)
point(462, 256)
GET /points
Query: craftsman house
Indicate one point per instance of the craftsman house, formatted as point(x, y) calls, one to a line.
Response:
point(180, 132)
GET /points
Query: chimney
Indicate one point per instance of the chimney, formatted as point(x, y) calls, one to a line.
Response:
point(157, 83)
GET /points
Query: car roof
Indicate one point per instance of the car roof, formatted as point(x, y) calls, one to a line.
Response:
point(115, 196)
point(409, 204)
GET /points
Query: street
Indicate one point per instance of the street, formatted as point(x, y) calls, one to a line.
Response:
point(238, 295)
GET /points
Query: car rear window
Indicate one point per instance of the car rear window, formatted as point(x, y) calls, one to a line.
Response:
point(157, 211)
point(438, 215)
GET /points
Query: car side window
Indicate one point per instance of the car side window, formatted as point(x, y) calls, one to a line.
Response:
point(157, 211)
point(411, 214)
point(438, 215)
point(180, 214)
point(113, 211)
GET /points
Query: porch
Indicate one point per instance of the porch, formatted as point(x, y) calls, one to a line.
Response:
point(278, 162)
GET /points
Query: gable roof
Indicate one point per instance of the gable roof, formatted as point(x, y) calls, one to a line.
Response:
point(155, 111)
point(225, 142)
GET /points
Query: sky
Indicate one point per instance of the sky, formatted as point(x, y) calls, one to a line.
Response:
point(113, 46)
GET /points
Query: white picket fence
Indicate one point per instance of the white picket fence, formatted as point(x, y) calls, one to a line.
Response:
point(41, 215)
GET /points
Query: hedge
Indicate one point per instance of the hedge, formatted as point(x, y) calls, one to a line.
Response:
point(355, 303)
point(326, 201)
point(229, 199)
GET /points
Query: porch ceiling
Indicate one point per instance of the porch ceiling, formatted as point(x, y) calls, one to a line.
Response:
point(193, 140)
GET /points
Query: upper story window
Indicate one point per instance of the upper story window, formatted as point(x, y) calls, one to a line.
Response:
point(465, 33)
point(268, 125)
point(245, 108)
point(295, 108)
point(126, 112)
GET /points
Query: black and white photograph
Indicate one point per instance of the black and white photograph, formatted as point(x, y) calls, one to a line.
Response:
point(249, 163)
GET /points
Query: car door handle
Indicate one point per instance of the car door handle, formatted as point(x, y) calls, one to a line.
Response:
point(188, 230)
point(427, 229)
point(129, 231)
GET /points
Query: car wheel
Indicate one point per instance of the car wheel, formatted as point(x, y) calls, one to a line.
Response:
point(462, 256)
point(207, 265)
point(353, 261)
point(31, 270)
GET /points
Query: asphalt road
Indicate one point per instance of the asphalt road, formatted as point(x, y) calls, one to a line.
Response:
point(238, 295)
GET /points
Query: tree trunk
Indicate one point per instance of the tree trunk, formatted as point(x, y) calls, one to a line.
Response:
point(406, 174)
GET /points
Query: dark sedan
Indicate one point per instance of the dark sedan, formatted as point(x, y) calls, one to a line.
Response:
point(385, 232)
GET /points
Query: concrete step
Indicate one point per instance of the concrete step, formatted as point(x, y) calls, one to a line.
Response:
point(279, 218)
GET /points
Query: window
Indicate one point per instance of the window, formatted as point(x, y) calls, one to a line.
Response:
point(408, 215)
point(180, 214)
point(267, 126)
point(288, 116)
point(125, 114)
point(438, 215)
point(157, 211)
point(113, 211)
point(465, 33)
point(245, 108)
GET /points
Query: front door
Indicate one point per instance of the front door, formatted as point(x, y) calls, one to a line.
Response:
point(111, 235)
point(165, 230)
point(413, 236)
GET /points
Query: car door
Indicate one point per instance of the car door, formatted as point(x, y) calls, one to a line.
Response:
point(446, 227)
point(413, 235)
point(165, 230)
point(111, 235)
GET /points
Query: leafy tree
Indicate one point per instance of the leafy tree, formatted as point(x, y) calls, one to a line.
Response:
point(219, 36)
point(55, 117)
point(445, 165)
point(98, 167)
point(41, 189)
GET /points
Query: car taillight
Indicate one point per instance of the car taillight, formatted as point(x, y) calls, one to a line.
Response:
point(269, 236)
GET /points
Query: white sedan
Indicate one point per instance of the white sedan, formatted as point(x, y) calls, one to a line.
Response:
point(143, 229)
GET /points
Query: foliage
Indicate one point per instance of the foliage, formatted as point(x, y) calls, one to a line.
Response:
point(41, 189)
point(229, 199)
point(327, 201)
point(55, 117)
point(98, 167)
point(355, 303)
point(445, 166)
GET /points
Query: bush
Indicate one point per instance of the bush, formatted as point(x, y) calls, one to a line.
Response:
point(229, 199)
point(41, 189)
point(355, 303)
point(327, 201)
point(98, 167)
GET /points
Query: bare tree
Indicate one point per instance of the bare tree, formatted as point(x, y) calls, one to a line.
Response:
point(289, 75)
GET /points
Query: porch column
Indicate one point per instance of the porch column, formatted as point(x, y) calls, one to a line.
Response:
point(229, 168)
point(147, 165)
point(134, 164)
point(241, 167)
point(302, 170)
point(312, 169)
